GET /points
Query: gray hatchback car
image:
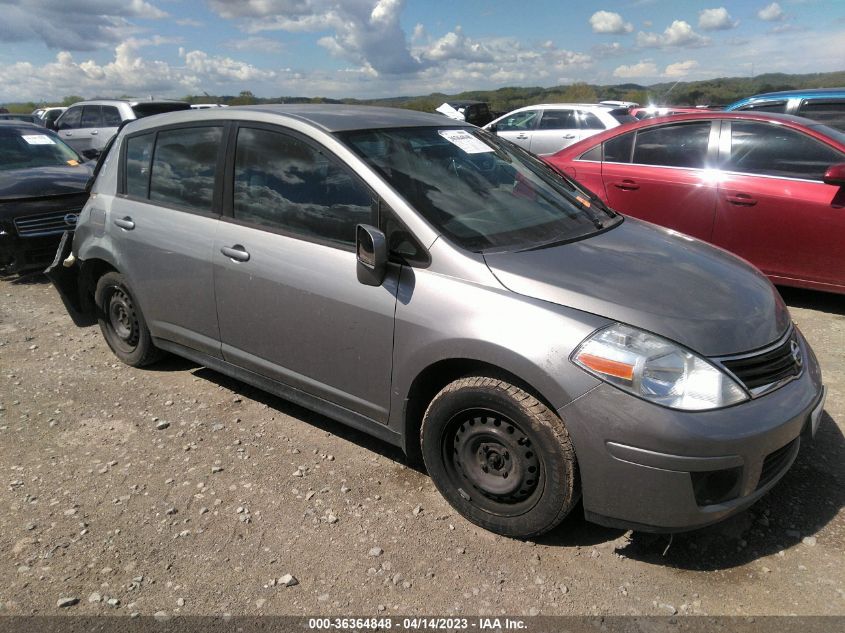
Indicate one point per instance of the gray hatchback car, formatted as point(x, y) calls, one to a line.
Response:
point(435, 286)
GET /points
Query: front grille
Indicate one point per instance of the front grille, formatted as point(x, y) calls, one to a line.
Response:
point(769, 368)
point(46, 223)
point(774, 463)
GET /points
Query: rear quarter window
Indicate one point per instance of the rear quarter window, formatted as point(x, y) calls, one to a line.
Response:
point(830, 113)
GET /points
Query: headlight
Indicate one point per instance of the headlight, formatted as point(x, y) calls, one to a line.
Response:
point(657, 370)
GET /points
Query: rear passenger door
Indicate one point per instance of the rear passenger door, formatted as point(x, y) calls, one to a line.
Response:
point(109, 124)
point(288, 298)
point(162, 225)
point(557, 128)
point(660, 174)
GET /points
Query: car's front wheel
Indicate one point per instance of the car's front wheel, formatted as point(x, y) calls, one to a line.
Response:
point(500, 457)
point(122, 323)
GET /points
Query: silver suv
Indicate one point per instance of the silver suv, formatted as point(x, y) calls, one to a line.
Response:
point(426, 282)
point(87, 126)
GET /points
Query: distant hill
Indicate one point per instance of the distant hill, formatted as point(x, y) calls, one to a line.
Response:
point(713, 92)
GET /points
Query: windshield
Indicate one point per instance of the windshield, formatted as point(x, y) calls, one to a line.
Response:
point(22, 148)
point(481, 192)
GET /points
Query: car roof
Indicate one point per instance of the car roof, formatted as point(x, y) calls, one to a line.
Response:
point(807, 93)
point(130, 102)
point(340, 117)
point(747, 115)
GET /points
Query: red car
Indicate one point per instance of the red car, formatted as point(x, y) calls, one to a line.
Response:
point(769, 188)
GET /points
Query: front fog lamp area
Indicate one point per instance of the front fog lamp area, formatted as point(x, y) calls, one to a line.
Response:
point(657, 370)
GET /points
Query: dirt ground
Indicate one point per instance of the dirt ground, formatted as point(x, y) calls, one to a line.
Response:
point(177, 490)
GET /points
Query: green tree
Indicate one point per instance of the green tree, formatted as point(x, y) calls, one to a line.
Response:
point(70, 100)
point(580, 93)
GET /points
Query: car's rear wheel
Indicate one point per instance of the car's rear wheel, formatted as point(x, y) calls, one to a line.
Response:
point(500, 457)
point(122, 323)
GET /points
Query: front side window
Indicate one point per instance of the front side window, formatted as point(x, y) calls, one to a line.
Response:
point(519, 121)
point(679, 145)
point(481, 192)
point(773, 150)
point(618, 149)
point(286, 184)
point(139, 151)
point(777, 107)
point(71, 119)
point(558, 120)
point(184, 164)
point(830, 113)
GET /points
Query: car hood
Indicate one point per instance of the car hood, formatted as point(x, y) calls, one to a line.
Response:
point(656, 279)
point(39, 182)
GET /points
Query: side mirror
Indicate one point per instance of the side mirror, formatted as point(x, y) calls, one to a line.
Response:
point(371, 252)
point(494, 129)
point(91, 154)
point(835, 175)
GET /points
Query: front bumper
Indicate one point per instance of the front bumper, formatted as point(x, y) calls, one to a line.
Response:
point(20, 254)
point(655, 469)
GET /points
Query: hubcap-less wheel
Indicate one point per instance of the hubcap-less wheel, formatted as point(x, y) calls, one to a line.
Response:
point(492, 461)
point(123, 319)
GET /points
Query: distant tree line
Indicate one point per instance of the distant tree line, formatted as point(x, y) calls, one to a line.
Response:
point(711, 92)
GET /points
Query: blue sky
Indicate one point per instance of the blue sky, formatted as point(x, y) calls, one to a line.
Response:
point(375, 48)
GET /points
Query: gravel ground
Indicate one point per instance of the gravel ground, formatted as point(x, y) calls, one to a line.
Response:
point(177, 490)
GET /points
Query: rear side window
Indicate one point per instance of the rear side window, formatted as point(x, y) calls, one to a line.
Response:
point(286, 184)
point(830, 113)
point(111, 116)
point(618, 149)
point(139, 150)
point(590, 121)
point(680, 145)
point(558, 120)
point(773, 150)
point(148, 109)
point(184, 164)
point(778, 107)
point(91, 117)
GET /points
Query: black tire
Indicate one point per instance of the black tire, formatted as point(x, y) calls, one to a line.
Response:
point(122, 323)
point(500, 457)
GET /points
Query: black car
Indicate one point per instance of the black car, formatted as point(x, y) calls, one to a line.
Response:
point(42, 191)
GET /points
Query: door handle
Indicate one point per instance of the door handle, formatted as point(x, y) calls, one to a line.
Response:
point(741, 200)
point(626, 185)
point(125, 223)
point(236, 252)
point(522, 136)
point(68, 133)
point(94, 132)
point(568, 136)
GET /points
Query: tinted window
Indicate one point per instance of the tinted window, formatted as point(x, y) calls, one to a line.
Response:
point(71, 119)
point(590, 121)
point(91, 117)
point(681, 145)
point(558, 120)
point(148, 109)
point(592, 154)
point(284, 183)
point(618, 149)
point(769, 106)
point(828, 112)
point(183, 166)
point(24, 148)
point(111, 116)
point(525, 120)
point(772, 150)
point(139, 149)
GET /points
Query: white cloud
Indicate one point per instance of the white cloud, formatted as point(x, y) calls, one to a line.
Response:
point(716, 20)
point(222, 69)
point(636, 71)
point(771, 13)
point(255, 43)
point(678, 34)
point(74, 25)
point(609, 22)
point(680, 69)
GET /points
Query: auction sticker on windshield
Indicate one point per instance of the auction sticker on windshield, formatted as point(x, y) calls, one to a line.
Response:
point(465, 141)
point(38, 139)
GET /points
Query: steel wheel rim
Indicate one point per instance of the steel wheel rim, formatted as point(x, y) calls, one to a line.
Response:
point(492, 462)
point(123, 319)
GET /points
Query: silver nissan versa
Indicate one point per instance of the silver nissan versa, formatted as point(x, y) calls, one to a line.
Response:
point(435, 286)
